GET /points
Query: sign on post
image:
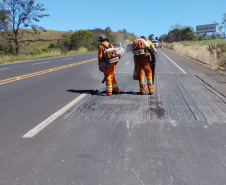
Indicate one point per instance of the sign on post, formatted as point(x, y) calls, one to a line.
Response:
point(206, 28)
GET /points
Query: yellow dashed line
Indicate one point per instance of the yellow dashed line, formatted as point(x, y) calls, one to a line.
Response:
point(5, 81)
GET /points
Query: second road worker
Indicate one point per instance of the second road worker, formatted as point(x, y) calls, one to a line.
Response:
point(141, 51)
point(107, 59)
point(151, 56)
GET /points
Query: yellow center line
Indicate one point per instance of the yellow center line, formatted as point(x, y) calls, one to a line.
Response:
point(5, 81)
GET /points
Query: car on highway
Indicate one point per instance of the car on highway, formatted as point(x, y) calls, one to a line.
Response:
point(129, 47)
point(155, 43)
point(119, 48)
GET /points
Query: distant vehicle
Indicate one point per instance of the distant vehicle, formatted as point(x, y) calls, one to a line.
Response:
point(129, 47)
point(156, 43)
point(119, 48)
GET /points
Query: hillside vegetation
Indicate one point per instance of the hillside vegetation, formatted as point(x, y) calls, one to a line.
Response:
point(57, 43)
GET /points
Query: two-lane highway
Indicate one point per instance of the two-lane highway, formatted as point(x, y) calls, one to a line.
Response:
point(55, 128)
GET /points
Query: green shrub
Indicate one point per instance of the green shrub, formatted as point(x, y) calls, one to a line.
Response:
point(82, 38)
point(218, 48)
point(52, 46)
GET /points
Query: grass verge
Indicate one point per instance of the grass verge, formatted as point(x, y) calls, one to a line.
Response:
point(200, 52)
point(40, 55)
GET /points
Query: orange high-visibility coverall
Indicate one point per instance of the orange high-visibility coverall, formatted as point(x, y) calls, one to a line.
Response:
point(142, 64)
point(109, 73)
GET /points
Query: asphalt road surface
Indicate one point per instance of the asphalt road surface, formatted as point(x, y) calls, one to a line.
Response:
point(56, 129)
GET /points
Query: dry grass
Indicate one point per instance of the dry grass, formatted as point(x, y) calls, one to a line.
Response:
point(49, 54)
point(198, 50)
point(48, 35)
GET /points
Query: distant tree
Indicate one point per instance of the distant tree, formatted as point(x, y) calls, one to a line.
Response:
point(97, 29)
point(82, 38)
point(151, 37)
point(125, 34)
point(124, 31)
point(5, 41)
point(107, 31)
point(162, 38)
point(176, 26)
point(187, 34)
point(174, 35)
point(224, 18)
point(224, 22)
point(170, 37)
point(64, 44)
point(20, 14)
point(3, 17)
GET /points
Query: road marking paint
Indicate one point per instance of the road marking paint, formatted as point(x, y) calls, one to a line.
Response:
point(53, 117)
point(127, 63)
point(5, 81)
point(4, 69)
point(67, 59)
point(183, 71)
point(41, 63)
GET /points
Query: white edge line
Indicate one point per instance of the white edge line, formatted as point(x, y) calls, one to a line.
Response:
point(50, 119)
point(127, 63)
point(67, 59)
point(4, 69)
point(41, 63)
point(183, 71)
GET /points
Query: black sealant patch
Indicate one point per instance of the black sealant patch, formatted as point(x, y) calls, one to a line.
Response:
point(175, 97)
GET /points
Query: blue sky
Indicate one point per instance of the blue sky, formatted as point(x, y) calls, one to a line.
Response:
point(139, 17)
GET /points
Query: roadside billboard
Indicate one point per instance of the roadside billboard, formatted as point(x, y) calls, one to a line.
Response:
point(206, 28)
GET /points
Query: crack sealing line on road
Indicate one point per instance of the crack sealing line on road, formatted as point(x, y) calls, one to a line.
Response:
point(50, 119)
point(138, 176)
point(183, 71)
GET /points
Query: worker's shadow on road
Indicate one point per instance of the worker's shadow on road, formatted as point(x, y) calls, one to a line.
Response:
point(91, 92)
point(97, 92)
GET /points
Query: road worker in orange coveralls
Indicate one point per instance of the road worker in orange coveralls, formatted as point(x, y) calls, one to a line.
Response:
point(142, 64)
point(111, 84)
point(152, 56)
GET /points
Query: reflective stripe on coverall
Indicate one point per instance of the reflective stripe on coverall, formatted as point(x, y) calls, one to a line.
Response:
point(109, 73)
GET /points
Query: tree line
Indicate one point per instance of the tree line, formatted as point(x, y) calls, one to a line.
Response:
point(89, 39)
point(178, 33)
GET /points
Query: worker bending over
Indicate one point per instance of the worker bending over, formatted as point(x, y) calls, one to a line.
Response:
point(141, 51)
point(107, 59)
